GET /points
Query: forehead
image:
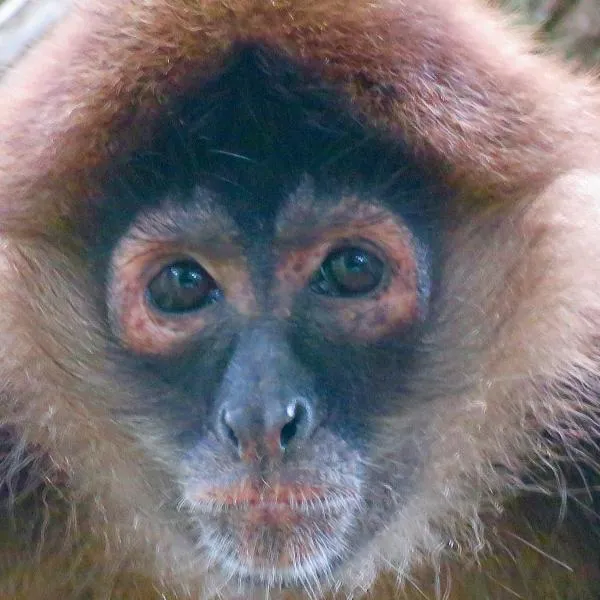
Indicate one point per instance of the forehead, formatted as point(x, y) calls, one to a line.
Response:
point(251, 137)
point(304, 216)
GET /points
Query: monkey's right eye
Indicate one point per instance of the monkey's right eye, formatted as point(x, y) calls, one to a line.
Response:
point(182, 287)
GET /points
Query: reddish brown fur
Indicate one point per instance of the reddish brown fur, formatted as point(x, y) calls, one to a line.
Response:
point(490, 110)
point(515, 133)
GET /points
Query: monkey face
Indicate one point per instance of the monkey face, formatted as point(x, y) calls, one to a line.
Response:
point(266, 308)
point(293, 294)
point(273, 468)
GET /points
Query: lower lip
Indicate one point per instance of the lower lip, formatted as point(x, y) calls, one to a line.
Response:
point(271, 530)
point(273, 515)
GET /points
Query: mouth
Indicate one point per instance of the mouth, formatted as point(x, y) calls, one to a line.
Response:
point(280, 497)
point(277, 534)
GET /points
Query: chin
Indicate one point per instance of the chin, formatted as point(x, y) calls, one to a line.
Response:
point(265, 532)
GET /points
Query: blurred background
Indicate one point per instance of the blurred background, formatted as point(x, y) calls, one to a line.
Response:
point(572, 26)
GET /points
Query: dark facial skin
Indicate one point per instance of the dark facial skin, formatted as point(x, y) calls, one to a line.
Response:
point(269, 268)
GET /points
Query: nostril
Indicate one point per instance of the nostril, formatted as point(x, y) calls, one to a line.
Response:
point(297, 415)
point(287, 433)
point(233, 438)
point(252, 431)
point(228, 429)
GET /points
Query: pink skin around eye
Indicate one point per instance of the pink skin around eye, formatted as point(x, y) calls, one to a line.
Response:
point(370, 317)
point(145, 330)
point(140, 328)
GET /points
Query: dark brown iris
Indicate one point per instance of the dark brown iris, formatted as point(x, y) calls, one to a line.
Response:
point(348, 272)
point(182, 287)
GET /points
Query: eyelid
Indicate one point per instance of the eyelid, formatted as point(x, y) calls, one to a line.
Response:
point(143, 330)
point(357, 242)
point(154, 268)
point(393, 304)
point(139, 328)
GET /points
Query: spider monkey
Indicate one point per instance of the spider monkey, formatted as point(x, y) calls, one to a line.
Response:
point(299, 299)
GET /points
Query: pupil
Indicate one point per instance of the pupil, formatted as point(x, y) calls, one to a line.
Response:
point(182, 287)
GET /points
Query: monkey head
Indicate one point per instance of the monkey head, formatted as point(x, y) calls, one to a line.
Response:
point(265, 291)
point(290, 293)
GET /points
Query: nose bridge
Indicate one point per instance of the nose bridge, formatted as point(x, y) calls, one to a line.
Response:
point(263, 343)
point(260, 369)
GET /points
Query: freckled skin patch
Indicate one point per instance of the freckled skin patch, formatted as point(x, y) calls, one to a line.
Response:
point(145, 330)
point(351, 222)
point(141, 329)
point(386, 310)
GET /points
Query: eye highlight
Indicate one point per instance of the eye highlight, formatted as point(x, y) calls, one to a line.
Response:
point(182, 287)
point(347, 273)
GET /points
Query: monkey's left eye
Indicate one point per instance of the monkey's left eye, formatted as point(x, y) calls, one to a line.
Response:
point(182, 287)
point(348, 272)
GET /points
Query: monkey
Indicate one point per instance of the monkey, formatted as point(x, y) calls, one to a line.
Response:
point(299, 300)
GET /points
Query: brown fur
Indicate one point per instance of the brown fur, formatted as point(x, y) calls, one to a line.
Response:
point(515, 134)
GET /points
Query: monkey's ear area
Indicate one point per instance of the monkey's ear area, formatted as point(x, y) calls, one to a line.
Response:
point(160, 295)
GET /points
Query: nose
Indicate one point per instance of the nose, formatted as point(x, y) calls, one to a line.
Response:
point(266, 430)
